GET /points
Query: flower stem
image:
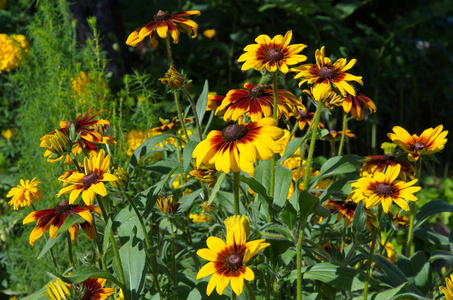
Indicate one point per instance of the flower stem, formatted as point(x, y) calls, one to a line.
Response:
point(345, 127)
point(370, 257)
point(71, 258)
point(180, 117)
point(173, 256)
point(413, 207)
point(168, 48)
point(194, 109)
point(275, 114)
point(236, 192)
point(250, 292)
point(299, 261)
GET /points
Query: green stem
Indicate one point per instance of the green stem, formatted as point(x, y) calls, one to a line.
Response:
point(173, 257)
point(312, 144)
point(194, 109)
point(208, 124)
point(99, 249)
point(71, 258)
point(180, 117)
point(275, 114)
point(236, 192)
point(250, 292)
point(299, 261)
point(168, 48)
point(413, 207)
point(370, 257)
point(345, 127)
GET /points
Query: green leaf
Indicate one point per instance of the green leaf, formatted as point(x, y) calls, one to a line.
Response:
point(49, 244)
point(257, 187)
point(292, 146)
point(81, 274)
point(334, 187)
point(187, 201)
point(133, 259)
point(306, 203)
point(146, 148)
point(360, 232)
point(280, 229)
point(430, 209)
point(202, 101)
point(187, 154)
point(432, 237)
point(385, 295)
point(39, 295)
point(288, 215)
point(338, 165)
point(107, 231)
point(339, 277)
point(283, 177)
point(440, 254)
point(216, 187)
point(69, 221)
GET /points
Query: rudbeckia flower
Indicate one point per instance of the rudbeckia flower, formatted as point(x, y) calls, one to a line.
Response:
point(345, 209)
point(448, 292)
point(214, 101)
point(257, 102)
point(273, 55)
point(91, 182)
point(58, 146)
point(90, 289)
point(378, 163)
point(52, 219)
point(324, 73)
point(25, 194)
point(238, 146)
point(305, 117)
point(357, 105)
point(383, 189)
point(167, 205)
point(227, 261)
point(429, 142)
point(163, 24)
point(334, 135)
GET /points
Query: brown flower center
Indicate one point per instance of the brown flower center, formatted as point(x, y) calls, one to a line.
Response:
point(350, 205)
point(64, 206)
point(418, 146)
point(161, 15)
point(304, 114)
point(384, 189)
point(258, 91)
point(274, 55)
point(327, 72)
point(234, 261)
point(233, 132)
point(90, 179)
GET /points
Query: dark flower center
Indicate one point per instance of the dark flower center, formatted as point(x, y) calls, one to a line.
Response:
point(233, 132)
point(419, 146)
point(87, 294)
point(385, 189)
point(90, 179)
point(161, 15)
point(234, 261)
point(258, 91)
point(350, 205)
point(64, 206)
point(327, 72)
point(304, 114)
point(274, 55)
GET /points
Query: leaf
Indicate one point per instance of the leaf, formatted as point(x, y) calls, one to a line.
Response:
point(288, 215)
point(306, 203)
point(385, 295)
point(202, 101)
point(216, 187)
point(338, 165)
point(283, 177)
point(49, 244)
point(334, 187)
point(69, 221)
point(280, 229)
point(187, 201)
point(444, 255)
point(81, 274)
point(133, 260)
point(430, 209)
point(39, 295)
point(107, 231)
point(257, 187)
point(292, 146)
point(187, 154)
point(339, 277)
point(146, 147)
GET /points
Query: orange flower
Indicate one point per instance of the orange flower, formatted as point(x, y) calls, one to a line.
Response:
point(357, 105)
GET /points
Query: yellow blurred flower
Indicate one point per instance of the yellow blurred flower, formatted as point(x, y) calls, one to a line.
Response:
point(10, 134)
point(448, 292)
point(123, 177)
point(13, 49)
point(209, 33)
point(199, 218)
point(3, 6)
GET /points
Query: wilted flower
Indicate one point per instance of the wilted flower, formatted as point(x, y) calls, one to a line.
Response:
point(167, 205)
point(173, 79)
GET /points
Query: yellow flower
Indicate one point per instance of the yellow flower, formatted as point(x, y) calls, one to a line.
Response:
point(89, 289)
point(324, 73)
point(448, 292)
point(12, 51)
point(10, 134)
point(244, 221)
point(3, 6)
point(199, 218)
point(25, 194)
point(227, 261)
point(173, 79)
point(205, 174)
point(305, 117)
point(91, 182)
point(167, 205)
point(57, 290)
point(357, 105)
point(383, 189)
point(431, 140)
point(163, 24)
point(58, 147)
point(238, 146)
point(273, 55)
point(390, 250)
point(123, 178)
point(209, 33)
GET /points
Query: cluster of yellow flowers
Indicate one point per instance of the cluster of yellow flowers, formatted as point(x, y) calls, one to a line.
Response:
point(12, 51)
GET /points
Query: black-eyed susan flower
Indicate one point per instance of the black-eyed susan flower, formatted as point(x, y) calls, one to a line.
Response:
point(378, 163)
point(173, 79)
point(448, 292)
point(52, 219)
point(357, 105)
point(91, 182)
point(257, 102)
point(58, 146)
point(383, 189)
point(58, 290)
point(163, 24)
point(272, 55)
point(205, 174)
point(399, 219)
point(328, 98)
point(25, 194)
point(324, 73)
point(227, 261)
point(89, 289)
point(344, 209)
point(334, 135)
point(167, 205)
point(305, 117)
point(214, 101)
point(174, 125)
point(123, 178)
point(238, 146)
point(431, 140)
